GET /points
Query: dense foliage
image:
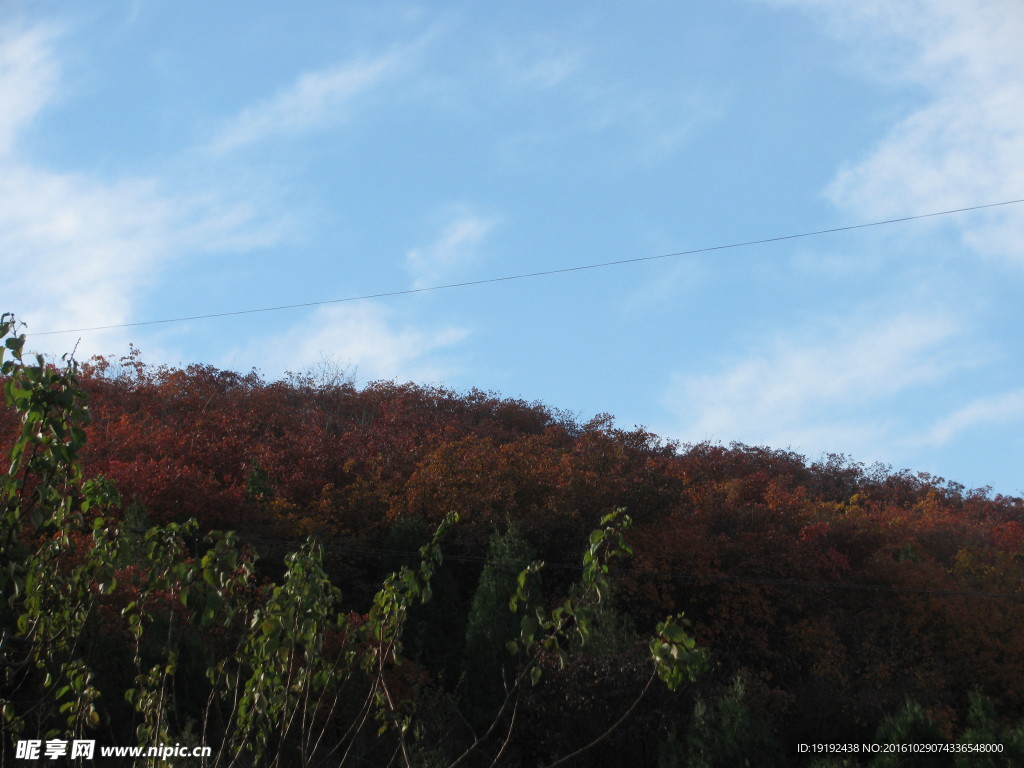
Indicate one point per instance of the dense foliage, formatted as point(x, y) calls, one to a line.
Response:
point(828, 594)
point(159, 634)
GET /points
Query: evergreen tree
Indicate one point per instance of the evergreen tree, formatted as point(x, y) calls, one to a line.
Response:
point(491, 625)
point(729, 735)
point(911, 726)
point(983, 728)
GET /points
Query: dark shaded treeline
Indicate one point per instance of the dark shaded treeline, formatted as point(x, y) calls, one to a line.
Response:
point(834, 592)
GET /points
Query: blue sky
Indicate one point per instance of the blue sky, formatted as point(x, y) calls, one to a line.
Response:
point(160, 160)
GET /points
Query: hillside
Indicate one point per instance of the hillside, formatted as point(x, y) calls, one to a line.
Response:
point(832, 591)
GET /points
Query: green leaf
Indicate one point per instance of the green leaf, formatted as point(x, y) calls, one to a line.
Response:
point(535, 674)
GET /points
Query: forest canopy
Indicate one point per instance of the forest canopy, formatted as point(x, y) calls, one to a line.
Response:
point(825, 594)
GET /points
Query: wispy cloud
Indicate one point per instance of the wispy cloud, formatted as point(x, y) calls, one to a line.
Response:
point(28, 78)
point(456, 247)
point(82, 253)
point(965, 144)
point(656, 121)
point(586, 97)
point(315, 99)
point(73, 250)
point(984, 411)
point(77, 251)
point(369, 340)
point(540, 63)
point(819, 389)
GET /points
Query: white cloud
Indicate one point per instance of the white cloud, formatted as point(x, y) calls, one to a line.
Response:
point(662, 123)
point(539, 63)
point(78, 252)
point(984, 411)
point(579, 96)
point(551, 71)
point(456, 246)
point(28, 76)
point(657, 120)
point(819, 390)
point(365, 337)
point(74, 251)
point(965, 145)
point(314, 99)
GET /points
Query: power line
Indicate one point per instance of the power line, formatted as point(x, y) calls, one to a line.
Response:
point(523, 276)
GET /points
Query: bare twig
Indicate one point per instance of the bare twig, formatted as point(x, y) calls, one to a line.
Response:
point(609, 731)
